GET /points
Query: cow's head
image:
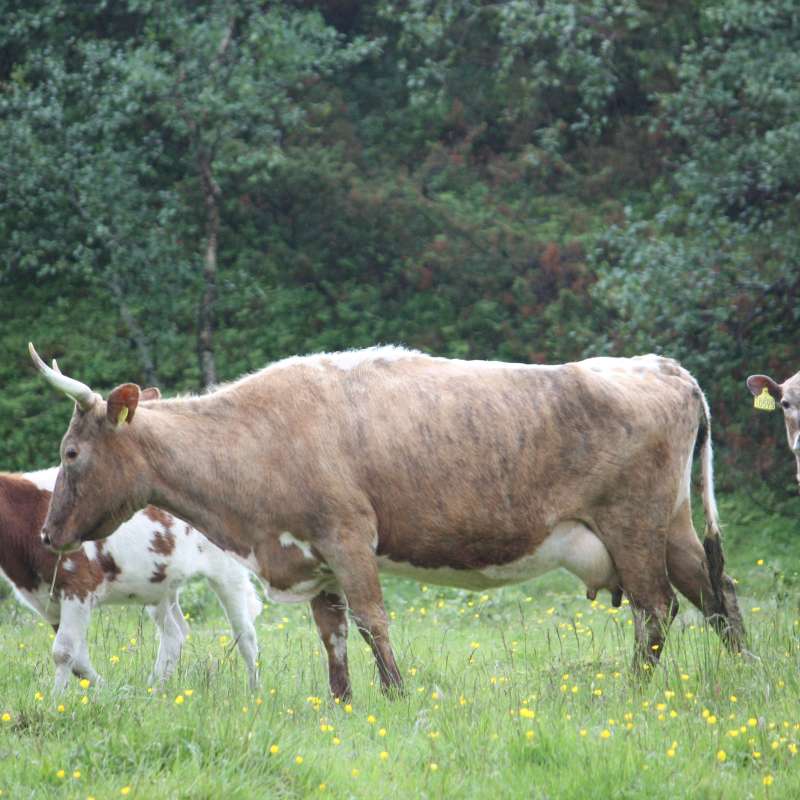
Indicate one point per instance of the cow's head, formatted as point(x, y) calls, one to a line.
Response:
point(787, 395)
point(100, 483)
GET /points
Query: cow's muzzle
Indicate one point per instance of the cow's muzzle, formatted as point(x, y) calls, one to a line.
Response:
point(66, 547)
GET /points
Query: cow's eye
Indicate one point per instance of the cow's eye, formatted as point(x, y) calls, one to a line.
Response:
point(785, 403)
point(71, 453)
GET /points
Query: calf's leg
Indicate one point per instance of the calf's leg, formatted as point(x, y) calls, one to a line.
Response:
point(233, 595)
point(170, 638)
point(70, 648)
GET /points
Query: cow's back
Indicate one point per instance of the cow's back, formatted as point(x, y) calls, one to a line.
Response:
point(474, 461)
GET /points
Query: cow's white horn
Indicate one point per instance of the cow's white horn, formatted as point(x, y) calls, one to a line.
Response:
point(78, 391)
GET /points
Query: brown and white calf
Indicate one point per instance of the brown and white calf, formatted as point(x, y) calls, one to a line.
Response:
point(787, 394)
point(321, 471)
point(147, 561)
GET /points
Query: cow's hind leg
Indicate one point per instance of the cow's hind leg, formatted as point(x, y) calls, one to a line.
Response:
point(639, 555)
point(688, 570)
point(330, 615)
point(356, 570)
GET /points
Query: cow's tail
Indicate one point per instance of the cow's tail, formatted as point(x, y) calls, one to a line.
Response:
point(712, 543)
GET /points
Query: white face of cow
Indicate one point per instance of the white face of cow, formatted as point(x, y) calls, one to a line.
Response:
point(787, 395)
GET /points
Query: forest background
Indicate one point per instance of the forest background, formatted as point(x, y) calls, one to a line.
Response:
point(190, 190)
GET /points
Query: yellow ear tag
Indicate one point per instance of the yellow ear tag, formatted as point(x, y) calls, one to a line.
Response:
point(764, 401)
point(123, 415)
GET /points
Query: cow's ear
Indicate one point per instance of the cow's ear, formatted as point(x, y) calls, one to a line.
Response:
point(757, 383)
point(121, 404)
point(150, 393)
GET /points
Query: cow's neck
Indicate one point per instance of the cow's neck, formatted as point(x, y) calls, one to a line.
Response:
point(186, 455)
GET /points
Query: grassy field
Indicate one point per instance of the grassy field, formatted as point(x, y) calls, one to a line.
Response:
point(523, 692)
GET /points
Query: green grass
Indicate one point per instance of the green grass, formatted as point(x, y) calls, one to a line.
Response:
point(476, 666)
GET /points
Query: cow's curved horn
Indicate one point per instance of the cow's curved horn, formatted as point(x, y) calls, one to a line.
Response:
point(78, 391)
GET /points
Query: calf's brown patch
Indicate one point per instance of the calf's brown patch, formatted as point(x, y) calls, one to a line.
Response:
point(162, 543)
point(160, 516)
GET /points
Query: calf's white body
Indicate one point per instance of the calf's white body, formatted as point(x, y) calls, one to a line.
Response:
point(146, 561)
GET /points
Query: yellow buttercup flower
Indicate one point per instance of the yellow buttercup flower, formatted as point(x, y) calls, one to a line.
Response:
point(721, 755)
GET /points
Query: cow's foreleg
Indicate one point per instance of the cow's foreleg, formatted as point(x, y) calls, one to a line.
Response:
point(366, 605)
point(330, 615)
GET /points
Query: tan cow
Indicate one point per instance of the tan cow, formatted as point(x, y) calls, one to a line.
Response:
point(319, 471)
point(788, 395)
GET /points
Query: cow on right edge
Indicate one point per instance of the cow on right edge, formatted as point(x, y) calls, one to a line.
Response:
point(787, 394)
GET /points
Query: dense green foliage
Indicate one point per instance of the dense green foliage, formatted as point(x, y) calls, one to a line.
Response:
point(524, 692)
point(533, 181)
point(197, 188)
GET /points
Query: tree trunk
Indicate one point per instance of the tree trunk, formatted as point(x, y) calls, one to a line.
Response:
point(136, 333)
point(211, 194)
point(205, 330)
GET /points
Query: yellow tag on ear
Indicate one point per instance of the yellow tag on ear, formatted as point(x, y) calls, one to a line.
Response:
point(123, 415)
point(764, 401)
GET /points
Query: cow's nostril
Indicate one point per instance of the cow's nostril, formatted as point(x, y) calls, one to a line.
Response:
point(45, 537)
